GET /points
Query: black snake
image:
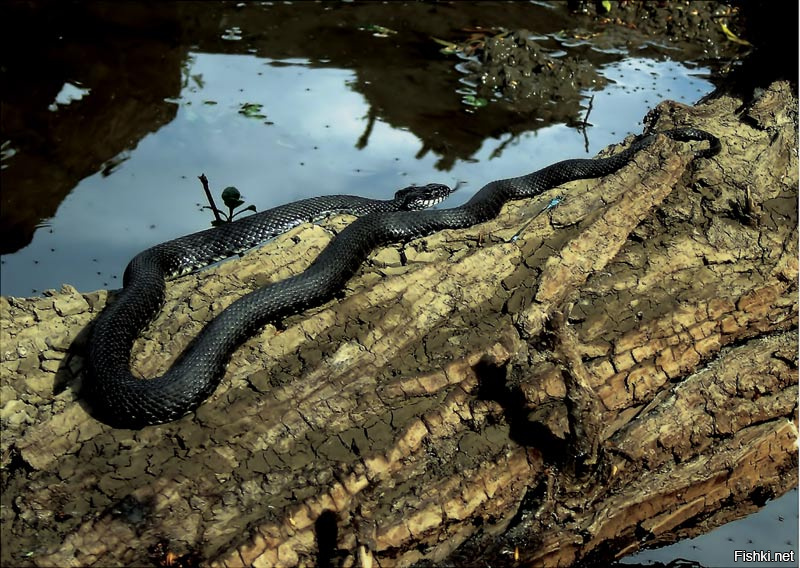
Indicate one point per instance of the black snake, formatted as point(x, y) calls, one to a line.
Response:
point(122, 400)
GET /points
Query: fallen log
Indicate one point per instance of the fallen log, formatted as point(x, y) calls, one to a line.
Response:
point(618, 372)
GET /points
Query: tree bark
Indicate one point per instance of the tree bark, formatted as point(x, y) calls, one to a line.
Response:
point(621, 374)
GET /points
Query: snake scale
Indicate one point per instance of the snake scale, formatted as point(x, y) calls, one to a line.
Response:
point(122, 400)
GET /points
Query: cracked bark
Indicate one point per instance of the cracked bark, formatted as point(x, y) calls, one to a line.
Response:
point(623, 374)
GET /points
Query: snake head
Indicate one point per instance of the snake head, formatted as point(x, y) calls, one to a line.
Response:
point(413, 198)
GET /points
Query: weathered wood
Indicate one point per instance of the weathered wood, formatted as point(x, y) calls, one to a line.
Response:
point(623, 373)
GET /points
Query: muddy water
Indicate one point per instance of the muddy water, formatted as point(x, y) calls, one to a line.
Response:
point(110, 112)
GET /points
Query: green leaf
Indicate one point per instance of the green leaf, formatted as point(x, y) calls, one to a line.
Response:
point(732, 36)
point(472, 100)
point(248, 208)
point(252, 110)
point(449, 47)
point(379, 31)
point(606, 5)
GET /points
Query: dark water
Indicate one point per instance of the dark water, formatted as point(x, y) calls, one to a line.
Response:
point(111, 111)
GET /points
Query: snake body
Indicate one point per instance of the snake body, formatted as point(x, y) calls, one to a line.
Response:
point(125, 401)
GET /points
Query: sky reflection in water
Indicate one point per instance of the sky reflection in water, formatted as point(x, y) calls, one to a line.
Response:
point(306, 144)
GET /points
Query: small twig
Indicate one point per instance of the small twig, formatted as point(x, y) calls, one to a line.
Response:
point(586, 123)
point(588, 112)
point(204, 180)
point(362, 141)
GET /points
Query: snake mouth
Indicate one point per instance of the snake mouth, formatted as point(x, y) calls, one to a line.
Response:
point(425, 203)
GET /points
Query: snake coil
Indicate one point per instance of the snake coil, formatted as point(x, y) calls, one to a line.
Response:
point(122, 400)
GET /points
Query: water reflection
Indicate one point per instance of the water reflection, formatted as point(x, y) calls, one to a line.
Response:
point(281, 130)
point(127, 61)
point(75, 97)
point(124, 105)
point(773, 528)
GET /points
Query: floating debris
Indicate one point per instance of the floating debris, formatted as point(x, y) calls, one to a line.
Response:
point(252, 110)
